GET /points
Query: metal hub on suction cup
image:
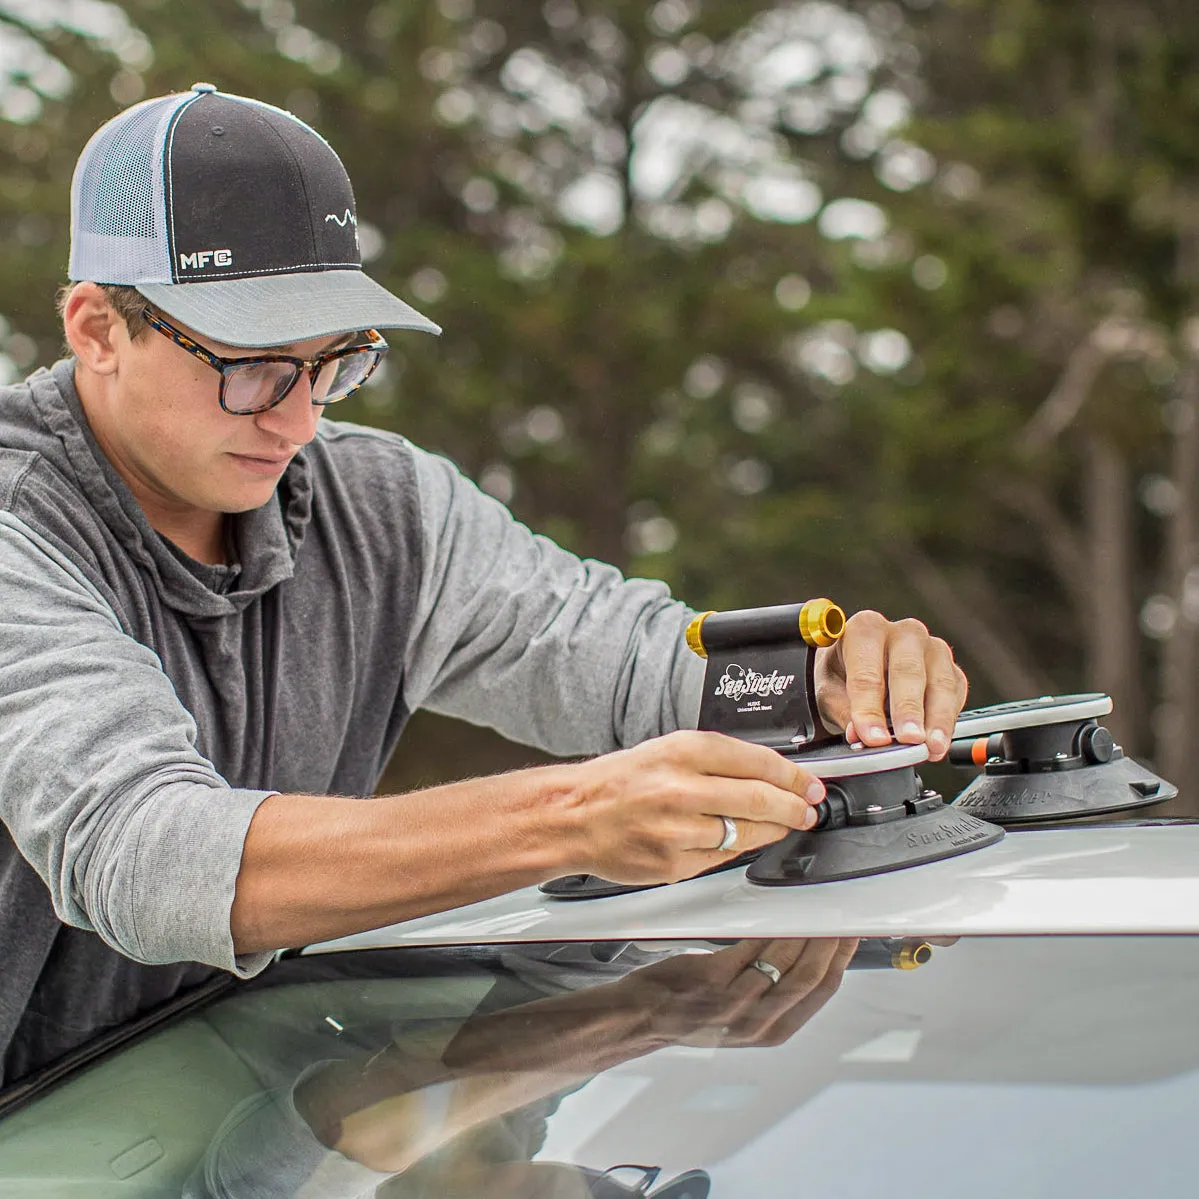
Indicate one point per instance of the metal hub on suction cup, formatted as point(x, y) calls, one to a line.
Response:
point(1049, 759)
point(877, 817)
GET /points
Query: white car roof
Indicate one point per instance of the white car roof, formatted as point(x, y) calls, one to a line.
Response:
point(1090, 879)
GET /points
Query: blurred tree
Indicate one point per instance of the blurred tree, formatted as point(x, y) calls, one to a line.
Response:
point(1046, 277)
point(769, 299)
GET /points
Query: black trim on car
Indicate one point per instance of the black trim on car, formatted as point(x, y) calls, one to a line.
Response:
point(38, 1083)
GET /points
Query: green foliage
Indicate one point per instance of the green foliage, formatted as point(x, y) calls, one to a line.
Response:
point(669, 347)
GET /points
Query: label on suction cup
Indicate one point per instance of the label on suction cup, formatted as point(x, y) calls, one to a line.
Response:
point(957, 833)
point(1114, 786)
point(1012, 796)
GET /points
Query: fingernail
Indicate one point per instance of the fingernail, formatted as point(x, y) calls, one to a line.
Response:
point(938, 743)
point(910, 728)
point(878, 733)
point(809, 818)
point(815, 792)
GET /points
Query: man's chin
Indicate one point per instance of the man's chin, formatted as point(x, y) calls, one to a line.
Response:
point(246, 498)
point(250, 483)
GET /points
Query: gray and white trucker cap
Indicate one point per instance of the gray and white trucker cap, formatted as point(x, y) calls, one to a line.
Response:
point(231, 216)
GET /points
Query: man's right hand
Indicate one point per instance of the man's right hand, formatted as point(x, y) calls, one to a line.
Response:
point(653, 813)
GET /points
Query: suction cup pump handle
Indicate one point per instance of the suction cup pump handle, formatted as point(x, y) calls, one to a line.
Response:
point(976, 751)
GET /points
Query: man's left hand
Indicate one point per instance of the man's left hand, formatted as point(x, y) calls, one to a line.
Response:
point(890, 675)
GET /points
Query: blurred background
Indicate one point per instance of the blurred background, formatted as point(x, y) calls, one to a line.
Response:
point(892, 302)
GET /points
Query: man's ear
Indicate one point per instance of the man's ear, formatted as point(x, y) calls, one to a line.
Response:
point(94, 330)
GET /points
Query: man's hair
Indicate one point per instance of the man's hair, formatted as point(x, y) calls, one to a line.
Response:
point(127, 302)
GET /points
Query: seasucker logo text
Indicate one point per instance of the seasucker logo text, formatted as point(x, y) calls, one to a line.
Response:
point(737, 682)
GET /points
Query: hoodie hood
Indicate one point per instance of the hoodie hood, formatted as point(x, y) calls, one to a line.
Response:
point(45, 416)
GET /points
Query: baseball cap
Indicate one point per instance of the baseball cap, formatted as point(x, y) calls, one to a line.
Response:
point(231, 216)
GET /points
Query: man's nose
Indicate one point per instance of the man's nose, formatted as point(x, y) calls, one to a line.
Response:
point(294, 418)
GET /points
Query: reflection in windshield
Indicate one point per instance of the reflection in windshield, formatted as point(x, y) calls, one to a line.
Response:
point(417, 1099)
point(1028, 1035)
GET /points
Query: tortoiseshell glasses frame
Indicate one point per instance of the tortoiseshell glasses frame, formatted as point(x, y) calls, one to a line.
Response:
point(257, 383)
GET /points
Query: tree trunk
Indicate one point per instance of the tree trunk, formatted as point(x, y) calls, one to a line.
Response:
point(1175, 718)
point(1113, 633)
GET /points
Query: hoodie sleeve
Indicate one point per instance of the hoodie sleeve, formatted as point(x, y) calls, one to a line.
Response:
point(135, 834)
point(514, 633)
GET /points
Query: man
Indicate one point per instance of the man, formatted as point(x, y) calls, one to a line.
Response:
point(217, 612)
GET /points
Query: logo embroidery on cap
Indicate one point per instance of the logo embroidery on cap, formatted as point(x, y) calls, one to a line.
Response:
point(200, 259)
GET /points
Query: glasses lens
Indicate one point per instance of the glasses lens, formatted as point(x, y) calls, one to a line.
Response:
point(257, 385)
point(338, 378)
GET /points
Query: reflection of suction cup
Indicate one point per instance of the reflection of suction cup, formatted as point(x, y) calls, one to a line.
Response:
point(694, 1184)
point(591, 886)
point(634, 1182)
point(877, 817)
point(1049, 759)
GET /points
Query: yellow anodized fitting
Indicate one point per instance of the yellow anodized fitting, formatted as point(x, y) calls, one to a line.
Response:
point(912, 955)
point(821, 622)
point(695, 634)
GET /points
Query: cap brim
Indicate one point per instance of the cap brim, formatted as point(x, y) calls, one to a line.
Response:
point(279, 310)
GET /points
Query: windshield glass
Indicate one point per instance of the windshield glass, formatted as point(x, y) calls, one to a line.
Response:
point(987, 1066)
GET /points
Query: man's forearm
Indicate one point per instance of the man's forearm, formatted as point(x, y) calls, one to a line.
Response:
point(315, 867)
point(378, 1111)
point(319, 867)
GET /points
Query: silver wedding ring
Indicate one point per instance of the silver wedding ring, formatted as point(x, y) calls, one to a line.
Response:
point(730, 834)
point(772, 972)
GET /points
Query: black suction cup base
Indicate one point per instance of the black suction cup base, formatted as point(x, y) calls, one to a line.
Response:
point(829, 855)
point(1017, 799)
point(591, 886)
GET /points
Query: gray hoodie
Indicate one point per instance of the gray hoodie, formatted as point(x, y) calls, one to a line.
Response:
point(149, 703)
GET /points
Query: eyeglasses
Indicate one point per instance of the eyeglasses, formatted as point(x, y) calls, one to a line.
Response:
point(250, 385)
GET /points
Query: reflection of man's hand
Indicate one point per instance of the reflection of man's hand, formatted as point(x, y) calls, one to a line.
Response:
point(730, 998)
point(392, 1108)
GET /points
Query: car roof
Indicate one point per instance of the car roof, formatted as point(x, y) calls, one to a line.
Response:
point(1084, 879)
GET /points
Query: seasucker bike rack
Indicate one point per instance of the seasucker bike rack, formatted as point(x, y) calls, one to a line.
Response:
point(759, 686)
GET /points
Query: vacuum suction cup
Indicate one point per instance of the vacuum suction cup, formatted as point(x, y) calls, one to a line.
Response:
point(1049, 759)
point(591, 886)
point(634, 1182)
point(877, 817)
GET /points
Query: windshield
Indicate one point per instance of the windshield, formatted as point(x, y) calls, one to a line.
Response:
point(987, 1066)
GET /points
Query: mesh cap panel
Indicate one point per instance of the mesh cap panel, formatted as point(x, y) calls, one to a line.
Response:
point(118, 229)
